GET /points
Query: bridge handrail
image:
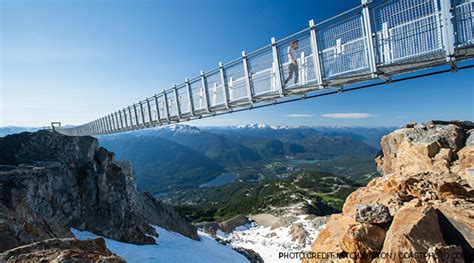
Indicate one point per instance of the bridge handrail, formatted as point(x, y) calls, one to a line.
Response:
point(376, 39)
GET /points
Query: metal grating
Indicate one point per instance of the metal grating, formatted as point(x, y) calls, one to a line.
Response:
point(407, 31)
point(464, 22)
point(343, 48)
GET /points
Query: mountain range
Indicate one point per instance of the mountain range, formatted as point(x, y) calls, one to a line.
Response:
point(177, 157)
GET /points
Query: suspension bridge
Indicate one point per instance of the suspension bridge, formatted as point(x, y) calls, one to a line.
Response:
point(377, 40)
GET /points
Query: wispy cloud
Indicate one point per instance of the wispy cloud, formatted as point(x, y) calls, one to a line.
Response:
point(351, 115)
point(298, 115)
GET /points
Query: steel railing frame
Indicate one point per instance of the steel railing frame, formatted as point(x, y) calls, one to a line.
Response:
point(165, 101)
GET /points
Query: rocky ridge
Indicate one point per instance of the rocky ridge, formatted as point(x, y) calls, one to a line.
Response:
point(422, 207)
point(50, 182)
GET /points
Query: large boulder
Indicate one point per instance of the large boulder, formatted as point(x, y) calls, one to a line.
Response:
point(330, 238)
point(373, 214)
point(364, 239)
point(233, 223)
point(426, 187)
point(413, 230)
point(428, 147)
point(457, 224)
point(62, 250)
point(466, 163)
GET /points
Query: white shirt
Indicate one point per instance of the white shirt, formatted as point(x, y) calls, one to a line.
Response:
point(292, 54)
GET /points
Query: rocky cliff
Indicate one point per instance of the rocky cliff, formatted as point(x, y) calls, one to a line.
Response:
point(50, 182)
point(420, 210)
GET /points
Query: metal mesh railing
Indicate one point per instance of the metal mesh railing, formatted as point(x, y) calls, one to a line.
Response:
point(344, 48)
point(464, 13)
point(377, 38)
point(408, 30)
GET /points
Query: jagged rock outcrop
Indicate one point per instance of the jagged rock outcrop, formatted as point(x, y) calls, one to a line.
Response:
point(226, 226)
point(372, 214)
point(421, 209)
point(50, 182)
point(250, 254)
point(298, 233)
point(62, 250)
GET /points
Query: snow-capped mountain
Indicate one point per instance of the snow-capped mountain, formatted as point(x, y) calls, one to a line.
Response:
point(263, 126)
point(173, 130)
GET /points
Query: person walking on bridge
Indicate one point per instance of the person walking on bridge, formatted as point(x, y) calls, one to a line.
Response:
point(293, 64)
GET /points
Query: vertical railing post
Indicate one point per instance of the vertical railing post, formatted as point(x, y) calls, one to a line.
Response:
point(111, 121)
point(92, 127)
point(447, 30)
point(112, 125)
point(206, 91)
point(114, 122)
point(122, 127)
point(101, 125)
point(315, 50)
point(178, 108)
point(109, 124)
point(105, 124)
point(224, 85)
point(165, 98)
point(247, 77)
point(157, 106)
point(276, 65)
point(136, 115)
point(190, 97)
point(150, 116)
point(142, 113)
point(125, 118)
point(117, 121)
point(130, 114)
point(369, 36)
point(96, 127)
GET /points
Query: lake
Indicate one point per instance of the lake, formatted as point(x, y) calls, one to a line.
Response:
point(222, 179)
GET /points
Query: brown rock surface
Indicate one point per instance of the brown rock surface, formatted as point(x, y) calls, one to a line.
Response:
point(413, 230)
point(62, 250)
point(363, 238)
point(426, 184)
point(330, 238)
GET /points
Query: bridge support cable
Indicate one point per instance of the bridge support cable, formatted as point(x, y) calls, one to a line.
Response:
point(379, 38)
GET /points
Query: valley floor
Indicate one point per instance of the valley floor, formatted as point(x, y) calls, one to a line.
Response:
point(171, 247)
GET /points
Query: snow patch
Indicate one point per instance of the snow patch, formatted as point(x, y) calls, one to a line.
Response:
point(171, 247)
point(268, 243)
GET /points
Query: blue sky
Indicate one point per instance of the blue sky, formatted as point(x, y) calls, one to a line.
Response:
point(74, 61)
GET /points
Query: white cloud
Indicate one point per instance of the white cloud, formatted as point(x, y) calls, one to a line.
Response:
point(351, 115)
point(298, 115)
